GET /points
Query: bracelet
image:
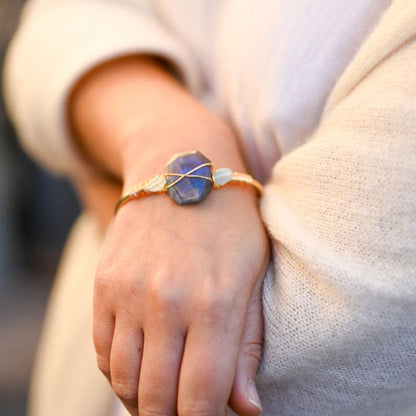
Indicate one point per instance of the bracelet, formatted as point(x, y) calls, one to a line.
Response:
point(188, 179)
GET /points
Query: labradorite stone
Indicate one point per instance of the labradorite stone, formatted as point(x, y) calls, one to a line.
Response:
point(189, 190)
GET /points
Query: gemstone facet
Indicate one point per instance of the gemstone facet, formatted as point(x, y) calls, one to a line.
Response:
point(156, 184)
point(188, 190)
point(222, 176)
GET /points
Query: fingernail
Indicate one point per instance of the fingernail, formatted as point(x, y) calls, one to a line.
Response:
point(253, 396)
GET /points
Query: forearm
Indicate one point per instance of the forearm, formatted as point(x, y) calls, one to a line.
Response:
point(129, 116)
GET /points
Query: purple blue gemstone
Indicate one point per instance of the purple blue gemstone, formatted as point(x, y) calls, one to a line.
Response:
point(189, 190)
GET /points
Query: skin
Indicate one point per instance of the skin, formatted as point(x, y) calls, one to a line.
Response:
point(177, 309)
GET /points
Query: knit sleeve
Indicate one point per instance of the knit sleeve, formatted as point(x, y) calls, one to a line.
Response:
point(59, 41)
point(340, 307)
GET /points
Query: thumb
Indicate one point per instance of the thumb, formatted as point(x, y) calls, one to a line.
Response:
point(244, 399)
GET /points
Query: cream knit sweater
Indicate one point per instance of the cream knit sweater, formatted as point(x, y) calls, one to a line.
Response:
point(323, 95)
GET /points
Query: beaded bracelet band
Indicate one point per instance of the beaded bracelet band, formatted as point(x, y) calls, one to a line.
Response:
point(188, 179)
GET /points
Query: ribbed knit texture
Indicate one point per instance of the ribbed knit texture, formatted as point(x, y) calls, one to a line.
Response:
point(340, 328)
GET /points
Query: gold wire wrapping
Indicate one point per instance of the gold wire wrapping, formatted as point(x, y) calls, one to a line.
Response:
point(139, 190)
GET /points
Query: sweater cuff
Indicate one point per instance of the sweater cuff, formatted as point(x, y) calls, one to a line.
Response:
point(57, 44)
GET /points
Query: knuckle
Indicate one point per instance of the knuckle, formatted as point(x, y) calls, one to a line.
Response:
point(151, 409)
point(103, 271)
point(166, 295)
point(107, 287)
point(218, 306)
point(102, 281)
point(252, 349)
point(197, 408)
point(125, 392)
point(168, 299)
point(220, 302)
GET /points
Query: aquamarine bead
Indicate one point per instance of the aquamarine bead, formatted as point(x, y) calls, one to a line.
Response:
point(189, 190)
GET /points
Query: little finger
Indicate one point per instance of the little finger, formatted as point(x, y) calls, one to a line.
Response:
point(126, 357)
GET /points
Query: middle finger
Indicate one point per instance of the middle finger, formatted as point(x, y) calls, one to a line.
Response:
point(162, 355)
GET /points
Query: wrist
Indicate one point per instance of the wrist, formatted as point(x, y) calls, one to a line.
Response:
point(130, 116)
point(146, 149)
point(188, 178)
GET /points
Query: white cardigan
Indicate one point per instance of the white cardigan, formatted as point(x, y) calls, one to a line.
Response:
point(322, 95)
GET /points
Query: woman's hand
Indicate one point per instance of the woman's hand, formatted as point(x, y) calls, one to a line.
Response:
point(175, 282)
point(171, 297)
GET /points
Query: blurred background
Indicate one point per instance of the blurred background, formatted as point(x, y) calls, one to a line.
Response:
point(36, 213)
